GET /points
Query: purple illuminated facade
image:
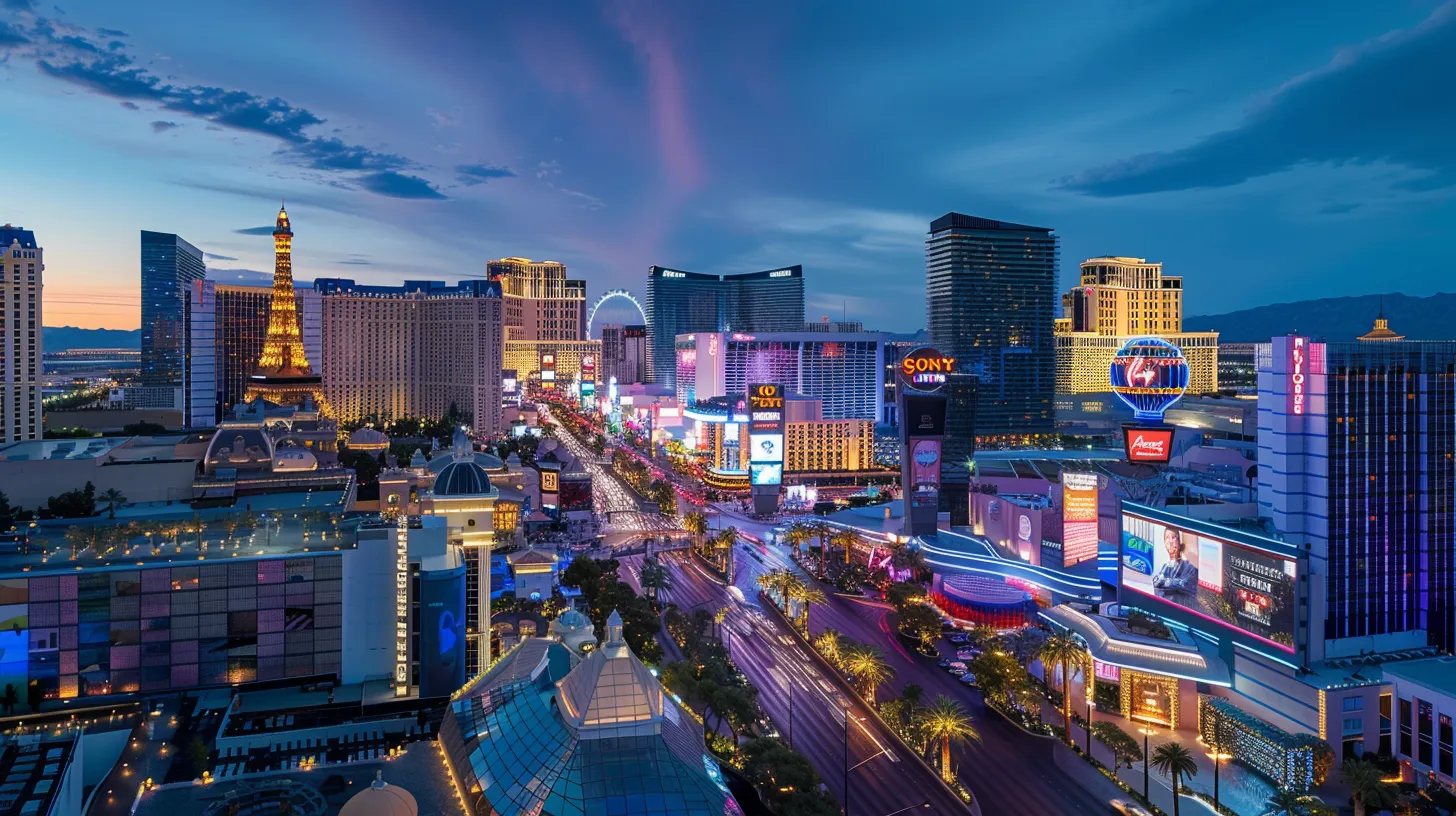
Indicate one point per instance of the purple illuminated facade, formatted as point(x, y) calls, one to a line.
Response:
point(844, 370)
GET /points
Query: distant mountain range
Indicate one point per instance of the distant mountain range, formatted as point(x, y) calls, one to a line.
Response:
point(64, 338)
point(1342, 318)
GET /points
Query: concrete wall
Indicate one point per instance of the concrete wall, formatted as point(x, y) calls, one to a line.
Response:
point(368, 626)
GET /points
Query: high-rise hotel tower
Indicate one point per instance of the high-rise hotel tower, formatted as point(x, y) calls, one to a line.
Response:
point(20, 333)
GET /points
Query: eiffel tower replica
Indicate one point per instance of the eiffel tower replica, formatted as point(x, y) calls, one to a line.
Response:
point(283, 376)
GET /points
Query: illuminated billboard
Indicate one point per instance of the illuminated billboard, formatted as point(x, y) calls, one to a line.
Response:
point(925, 473)
point(765, 434)
point(1079, 517)
point(1148, 446)
point(548, 370)
point(925, 369)
point(1149, 374)
point(1239, 585)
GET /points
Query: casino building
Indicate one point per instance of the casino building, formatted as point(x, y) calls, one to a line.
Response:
point(843, 370)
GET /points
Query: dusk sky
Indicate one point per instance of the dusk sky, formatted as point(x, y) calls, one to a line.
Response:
point(1265, 151)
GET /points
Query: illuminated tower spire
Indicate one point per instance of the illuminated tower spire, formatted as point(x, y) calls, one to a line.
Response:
point(283, 375)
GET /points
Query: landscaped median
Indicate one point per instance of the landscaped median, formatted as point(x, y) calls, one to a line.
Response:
point(959, 790)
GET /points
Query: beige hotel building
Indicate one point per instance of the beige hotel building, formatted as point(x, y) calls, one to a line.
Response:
point(1120, 298)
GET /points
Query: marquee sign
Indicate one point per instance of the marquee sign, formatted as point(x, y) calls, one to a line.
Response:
point(925, 369)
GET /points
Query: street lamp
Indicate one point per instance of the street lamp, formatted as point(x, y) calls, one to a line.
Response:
point(1087, 726)
point(1217, 756)
point(1146, 731)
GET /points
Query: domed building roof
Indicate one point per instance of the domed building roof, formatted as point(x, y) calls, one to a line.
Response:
point(574, 630)
point(381, 799)
point(462, 475)
point(368, 439)
point(462, 479)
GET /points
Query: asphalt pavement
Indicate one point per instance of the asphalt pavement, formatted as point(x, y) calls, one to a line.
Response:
point(886, 780)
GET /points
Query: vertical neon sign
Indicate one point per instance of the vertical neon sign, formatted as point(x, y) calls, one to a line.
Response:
point(1298, 375)
point(401, 607)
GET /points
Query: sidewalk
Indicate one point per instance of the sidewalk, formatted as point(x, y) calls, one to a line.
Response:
point(1240, 789)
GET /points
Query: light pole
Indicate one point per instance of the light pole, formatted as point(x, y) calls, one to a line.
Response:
point(1218, 756)
point(1146, 731)
point(924, 804)
point(1087, 727)
point(791, 716)
point(847, 767)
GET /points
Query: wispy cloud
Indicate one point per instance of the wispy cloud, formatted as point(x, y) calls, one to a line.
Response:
point(399, 185)
point(441, 119)
point(1370, 103)
point(859, 227)
point(71, 54)
point(162, 127)
point(211, 257)
point(481, 173)
point(268, 230)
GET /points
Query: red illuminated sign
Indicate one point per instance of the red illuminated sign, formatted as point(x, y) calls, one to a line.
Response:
point(925, 369)
point(1149, 446)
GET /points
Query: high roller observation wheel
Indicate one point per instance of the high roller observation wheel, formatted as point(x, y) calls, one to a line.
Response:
point(613, 293)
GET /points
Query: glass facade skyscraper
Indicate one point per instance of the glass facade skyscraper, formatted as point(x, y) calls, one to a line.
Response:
point(169, 267)
point(990, 294)
point(681, 302)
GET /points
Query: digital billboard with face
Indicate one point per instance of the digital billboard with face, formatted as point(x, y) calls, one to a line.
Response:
point(1238, 585)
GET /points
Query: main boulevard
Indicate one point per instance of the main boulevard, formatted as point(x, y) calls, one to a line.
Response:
point(1009, 771)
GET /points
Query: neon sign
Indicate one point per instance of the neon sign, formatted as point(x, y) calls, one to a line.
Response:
point(925, 369)
point(1149, 374)
point(401, 607)
point(1298, 374)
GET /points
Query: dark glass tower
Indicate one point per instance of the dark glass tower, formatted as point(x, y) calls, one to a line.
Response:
point(1392, 534)
point(169, 266)
point(770, 301)
point(681, 302)
point(990, 295)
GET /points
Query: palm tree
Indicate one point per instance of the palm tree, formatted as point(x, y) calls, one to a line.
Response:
point(983, 635)
point(112, 498)
point(1063, 650)
point(831, 644)
point(774, 583)
point(655, 578)
point(945, 720)
point(845, 539)
point(80, 536)
point(797, 534)
point(1292, 803)
point(903, 557)
point(1368, 788)
point(697, 524)
point(723, 545)
point(869, 668)
point(1177, 762)
point(805, 595)
point(823, 531)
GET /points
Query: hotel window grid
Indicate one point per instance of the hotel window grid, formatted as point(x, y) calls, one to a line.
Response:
point(989, 302)
point(1392, 536)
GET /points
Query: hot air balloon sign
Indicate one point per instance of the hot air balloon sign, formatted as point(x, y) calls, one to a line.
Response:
point(1149, 374)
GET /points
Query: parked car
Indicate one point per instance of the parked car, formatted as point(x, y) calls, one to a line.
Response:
point(944, 663)
point(957, 637)
point(968, 653)
point(956, 668)
point(1128, 808)
point(968, 678)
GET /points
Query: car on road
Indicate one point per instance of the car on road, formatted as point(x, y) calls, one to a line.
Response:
point(1128, 808)
point(957, 637)
point(968, 679)
point(944, 663)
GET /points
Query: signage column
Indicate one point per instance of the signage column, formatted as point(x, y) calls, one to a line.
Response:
point(766, 445)
point(921, 406)
point(401, 608)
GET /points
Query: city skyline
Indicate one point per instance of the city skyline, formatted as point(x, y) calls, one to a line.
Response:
point(731, 141)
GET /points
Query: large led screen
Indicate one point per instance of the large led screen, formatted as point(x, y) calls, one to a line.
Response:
point(1242, 587)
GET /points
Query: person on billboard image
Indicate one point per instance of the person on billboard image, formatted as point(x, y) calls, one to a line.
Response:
point(1177, 579)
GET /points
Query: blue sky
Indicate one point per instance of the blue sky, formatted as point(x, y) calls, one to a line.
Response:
point(1266, 151)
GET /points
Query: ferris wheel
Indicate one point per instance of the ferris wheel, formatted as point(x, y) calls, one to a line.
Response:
point(613, 293)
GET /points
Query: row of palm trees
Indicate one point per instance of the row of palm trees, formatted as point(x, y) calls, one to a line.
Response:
point(785, 587)
point(715, 546)
point(830, 537)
